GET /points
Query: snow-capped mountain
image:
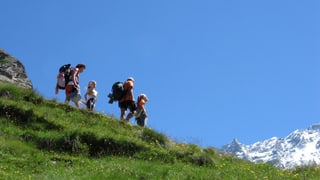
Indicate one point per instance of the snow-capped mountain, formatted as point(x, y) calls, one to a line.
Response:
point(301, 147)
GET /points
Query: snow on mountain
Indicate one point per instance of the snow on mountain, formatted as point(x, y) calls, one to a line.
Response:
point(301, 147)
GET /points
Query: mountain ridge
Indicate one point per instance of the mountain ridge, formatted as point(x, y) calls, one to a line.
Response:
point(299, 148)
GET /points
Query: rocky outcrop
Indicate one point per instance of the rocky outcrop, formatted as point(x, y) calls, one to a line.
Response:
point(13, 71)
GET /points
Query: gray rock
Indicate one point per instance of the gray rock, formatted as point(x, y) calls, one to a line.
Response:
point(12, 71)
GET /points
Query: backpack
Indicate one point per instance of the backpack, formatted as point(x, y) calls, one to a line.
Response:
point(117, 92)
point(64, 76)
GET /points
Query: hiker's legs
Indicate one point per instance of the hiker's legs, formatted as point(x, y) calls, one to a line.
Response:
point(132, 107)
point(123, 114)
point(66, 100)
point(90, 104)
point(130, 115)
point(123, 107)
point(68, 90)
point(141, 121)
point(77, 104)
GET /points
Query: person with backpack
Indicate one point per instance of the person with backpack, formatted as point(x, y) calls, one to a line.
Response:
point(91, 95)
point(141, 113)
point(73, 86)
point(127, 101)
point(117, 92)
point(63, 77)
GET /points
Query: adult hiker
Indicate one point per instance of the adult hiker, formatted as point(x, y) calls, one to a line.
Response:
point(141, 113)
point(127, 101)
point(91, 95)
point(73, 86)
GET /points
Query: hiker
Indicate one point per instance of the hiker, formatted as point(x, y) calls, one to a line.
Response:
point(141, 113)
point(91, 95)
point(127, 101)
point(73, 86)
point(63, 77)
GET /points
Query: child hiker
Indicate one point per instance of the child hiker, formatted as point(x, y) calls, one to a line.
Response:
point(91, 95)
point(141, 113)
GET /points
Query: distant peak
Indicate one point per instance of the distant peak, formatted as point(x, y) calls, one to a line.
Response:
point(299, 148)
point(315, 127)
point(234, 146)
point(235, 141)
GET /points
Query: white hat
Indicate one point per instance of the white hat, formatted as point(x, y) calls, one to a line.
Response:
point(130, 78)
point(92, 82)
point(144, 96)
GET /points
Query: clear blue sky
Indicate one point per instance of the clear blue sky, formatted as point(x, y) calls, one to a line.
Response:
point(213, 70)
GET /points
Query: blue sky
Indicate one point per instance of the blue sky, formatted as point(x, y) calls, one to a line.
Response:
point(213, 70)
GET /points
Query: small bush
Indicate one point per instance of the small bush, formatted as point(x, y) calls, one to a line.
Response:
point(109, 146)
point(33, 98)
point(26, 118)
point(11, 91)
point(201, 160)
point(156, 155)
point(153, 137)
point(5, 60)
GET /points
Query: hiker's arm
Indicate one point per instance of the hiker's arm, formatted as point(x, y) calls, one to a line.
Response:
point(145, 111)
point(131, 93)
point(85, 96)
point(144, 107)
point(141, 105)
point(74, 78)
point(57, 89)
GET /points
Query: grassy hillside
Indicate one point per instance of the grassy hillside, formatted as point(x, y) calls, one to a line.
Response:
point(44, 139)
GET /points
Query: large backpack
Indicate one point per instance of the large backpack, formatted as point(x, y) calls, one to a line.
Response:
point(64, 76)
point(117, 92)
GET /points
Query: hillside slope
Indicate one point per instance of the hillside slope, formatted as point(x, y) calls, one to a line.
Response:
point(44, 139)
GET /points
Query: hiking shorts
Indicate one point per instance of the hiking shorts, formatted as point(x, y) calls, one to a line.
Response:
point(141, 117)
point(72, 93)
point(91, 103)
point(128, 105)
point(69, 89)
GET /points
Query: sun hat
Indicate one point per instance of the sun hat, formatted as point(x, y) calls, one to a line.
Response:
point(130, 79)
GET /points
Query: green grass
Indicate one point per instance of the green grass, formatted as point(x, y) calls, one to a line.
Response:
point(45, 139)
point(4, 60)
